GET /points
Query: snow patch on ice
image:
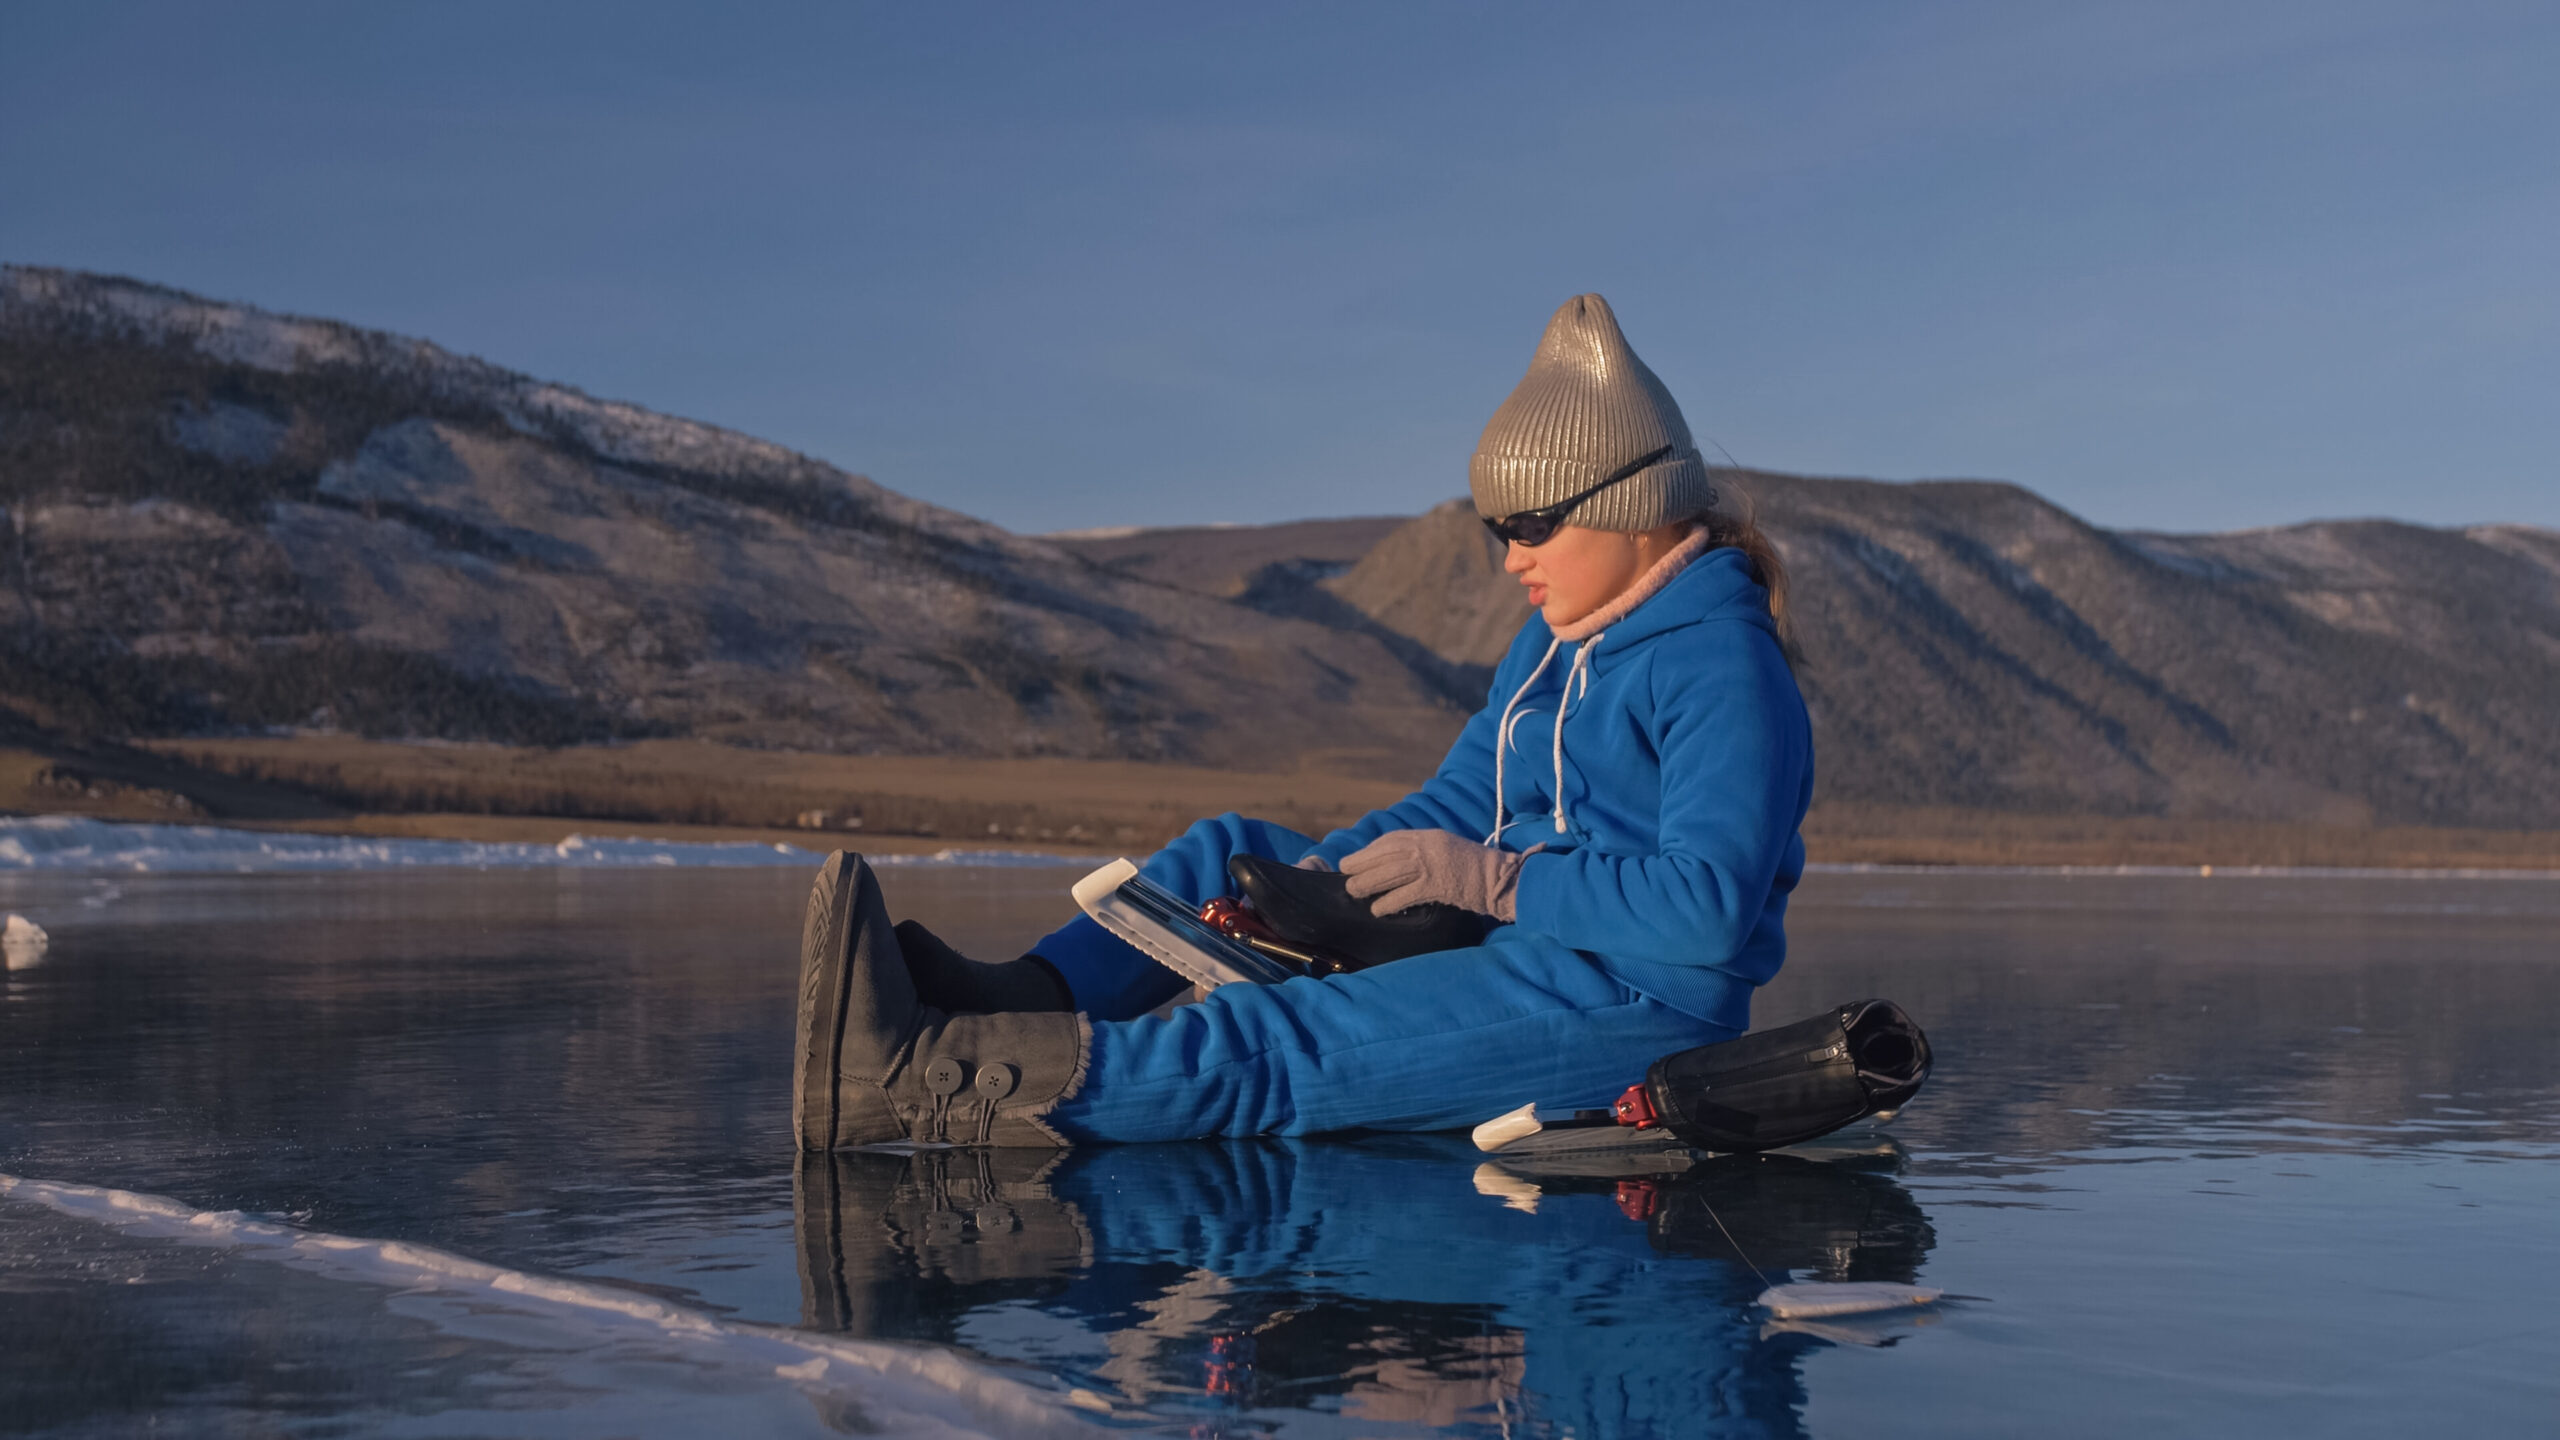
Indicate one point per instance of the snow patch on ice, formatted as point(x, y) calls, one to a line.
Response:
point(22, 942)
point(900, 1389)
point(75, 843)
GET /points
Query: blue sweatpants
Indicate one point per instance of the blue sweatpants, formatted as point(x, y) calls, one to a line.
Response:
point(1435, 1042)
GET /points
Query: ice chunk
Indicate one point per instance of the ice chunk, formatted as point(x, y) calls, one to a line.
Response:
point(22, 942)
point(1813, 1300)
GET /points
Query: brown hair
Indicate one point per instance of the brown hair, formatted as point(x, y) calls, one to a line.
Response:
point(1739, 529)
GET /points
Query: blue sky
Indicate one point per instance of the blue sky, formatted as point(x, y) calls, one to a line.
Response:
point(2176, 266)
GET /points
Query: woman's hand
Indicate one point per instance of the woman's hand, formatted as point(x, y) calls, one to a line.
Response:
point(1405, 868)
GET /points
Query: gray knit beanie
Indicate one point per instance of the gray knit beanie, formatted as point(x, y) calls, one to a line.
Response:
point(1587, 407)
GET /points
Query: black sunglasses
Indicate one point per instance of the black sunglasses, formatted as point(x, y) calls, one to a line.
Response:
point(1537, 527)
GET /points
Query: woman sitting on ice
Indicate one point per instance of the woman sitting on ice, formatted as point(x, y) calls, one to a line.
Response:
point(1625, 807)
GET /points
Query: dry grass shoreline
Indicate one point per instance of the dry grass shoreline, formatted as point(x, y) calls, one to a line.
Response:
point(1062, 803)
point(689, 790)
point(1851, 835)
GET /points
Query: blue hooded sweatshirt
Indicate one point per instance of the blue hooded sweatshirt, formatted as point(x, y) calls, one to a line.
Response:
point(1664, 817)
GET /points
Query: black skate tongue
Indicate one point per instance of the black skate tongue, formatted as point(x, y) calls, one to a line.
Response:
point(1315, 909)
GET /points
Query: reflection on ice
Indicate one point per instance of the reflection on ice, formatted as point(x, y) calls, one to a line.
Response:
point(2182, 1133)
point(1394, 1280)
point(651, 1358)
point(1873, 1328)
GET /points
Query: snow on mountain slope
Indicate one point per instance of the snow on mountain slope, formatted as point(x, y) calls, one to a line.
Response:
point(130, 311)
point(230, 518)
point(1973, 645)
point(218, 517)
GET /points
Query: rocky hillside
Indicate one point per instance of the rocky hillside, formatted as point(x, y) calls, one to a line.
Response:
point(1971, 645)
point(1229, 560)
point(1440, 581)
point(218, 518)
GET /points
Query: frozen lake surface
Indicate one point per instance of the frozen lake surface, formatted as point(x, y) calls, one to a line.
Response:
point(504, 1152)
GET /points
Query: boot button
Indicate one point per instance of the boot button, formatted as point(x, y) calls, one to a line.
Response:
point(997, 1081)
point(945, 1076)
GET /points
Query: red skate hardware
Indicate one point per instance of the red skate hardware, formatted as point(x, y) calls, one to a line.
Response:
point(1635, 1108)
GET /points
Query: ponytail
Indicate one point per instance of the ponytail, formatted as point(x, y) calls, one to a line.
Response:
point(1742, 532)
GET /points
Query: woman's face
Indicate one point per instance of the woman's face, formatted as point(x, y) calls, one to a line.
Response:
point(1579, 570)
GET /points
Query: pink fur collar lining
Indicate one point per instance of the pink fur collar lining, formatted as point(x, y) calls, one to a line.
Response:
point(1644, 589)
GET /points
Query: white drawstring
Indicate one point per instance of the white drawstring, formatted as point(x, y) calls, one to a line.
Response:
point(1585, 632)
point(1580, 671)
point(1502, 739)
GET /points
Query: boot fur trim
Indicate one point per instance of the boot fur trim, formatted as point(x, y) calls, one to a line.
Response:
point(1037, 1117)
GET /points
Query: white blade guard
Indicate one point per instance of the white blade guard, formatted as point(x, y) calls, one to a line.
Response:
point(1160, 925)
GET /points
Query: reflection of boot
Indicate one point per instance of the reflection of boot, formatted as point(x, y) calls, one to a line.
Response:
point(849, 1279)
point(1785, 1213)
point(873, 1064)
point(901, 1245)
point(950, 981)
point(978, 1216)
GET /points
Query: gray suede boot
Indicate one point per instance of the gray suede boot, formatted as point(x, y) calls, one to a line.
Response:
point(950, 981)
point(874, 1065)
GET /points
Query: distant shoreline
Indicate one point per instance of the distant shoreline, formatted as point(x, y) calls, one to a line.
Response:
point(1942, 838)
point(693, 791)
point(539, 833)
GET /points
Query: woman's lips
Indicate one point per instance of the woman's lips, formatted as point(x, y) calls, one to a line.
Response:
point(1537, 596)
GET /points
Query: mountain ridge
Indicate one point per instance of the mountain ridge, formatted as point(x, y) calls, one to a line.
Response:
point(217, 519)
point(196, 490)
point(1969, 645)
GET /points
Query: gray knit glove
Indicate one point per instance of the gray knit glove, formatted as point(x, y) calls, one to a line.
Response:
point(1405, 868)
